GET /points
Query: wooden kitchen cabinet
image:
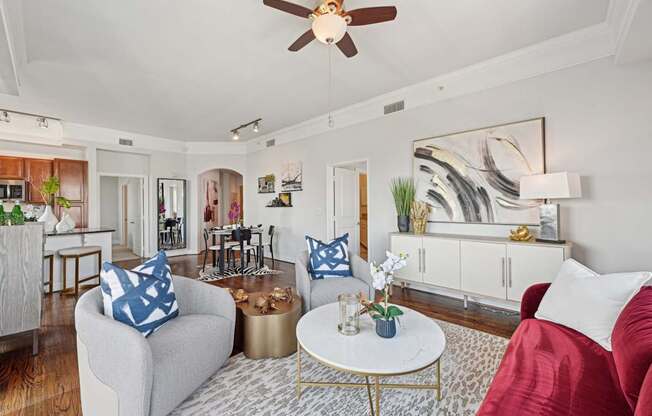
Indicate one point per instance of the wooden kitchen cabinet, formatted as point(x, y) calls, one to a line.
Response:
point(73, 176)
point(12, 167)
point(36, 172)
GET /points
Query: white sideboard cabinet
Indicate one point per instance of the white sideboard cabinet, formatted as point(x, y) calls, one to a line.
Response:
point(486, 267)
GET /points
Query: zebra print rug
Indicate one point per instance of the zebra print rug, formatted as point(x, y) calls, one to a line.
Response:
point(213, 274)
point(267, 387)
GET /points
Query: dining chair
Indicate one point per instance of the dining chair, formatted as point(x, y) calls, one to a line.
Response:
point(208, 248)
point(243, 237)
point(268, 241)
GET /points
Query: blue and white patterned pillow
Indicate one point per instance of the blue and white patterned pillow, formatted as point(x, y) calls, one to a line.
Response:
point(328, 260)
point(143, 298)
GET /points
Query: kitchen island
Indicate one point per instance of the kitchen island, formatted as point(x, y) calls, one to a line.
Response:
point(79, 237)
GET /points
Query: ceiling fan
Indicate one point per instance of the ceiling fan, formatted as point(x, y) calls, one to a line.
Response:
point(330, 22)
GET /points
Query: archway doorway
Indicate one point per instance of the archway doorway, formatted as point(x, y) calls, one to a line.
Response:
point(220, 200)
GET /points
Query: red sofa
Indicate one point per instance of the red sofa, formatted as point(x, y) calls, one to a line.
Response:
point(549, 369)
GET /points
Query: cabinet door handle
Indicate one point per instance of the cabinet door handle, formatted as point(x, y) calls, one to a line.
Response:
point(423, 259)
point(419, 250)
point(502, 271)
point(509, 270)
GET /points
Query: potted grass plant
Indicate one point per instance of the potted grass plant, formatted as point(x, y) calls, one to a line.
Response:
point(403, 191)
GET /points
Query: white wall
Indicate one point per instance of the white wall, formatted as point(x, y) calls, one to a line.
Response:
point(598, 123)
point(111, 209)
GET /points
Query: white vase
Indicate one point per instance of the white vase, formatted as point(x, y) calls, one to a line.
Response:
point(49, 219)
point(66, 224)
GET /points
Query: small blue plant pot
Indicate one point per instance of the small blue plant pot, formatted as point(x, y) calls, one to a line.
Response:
point(386, 329)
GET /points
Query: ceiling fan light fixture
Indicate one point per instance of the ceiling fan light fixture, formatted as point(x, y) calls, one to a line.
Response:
point(329, 28)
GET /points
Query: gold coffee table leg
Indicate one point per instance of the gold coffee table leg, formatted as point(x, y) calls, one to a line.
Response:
point(439, 380)
point(371, 404)
point(298, 371)
point(377, 396)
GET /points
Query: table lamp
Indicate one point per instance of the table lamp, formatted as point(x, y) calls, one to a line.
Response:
point(548, 186)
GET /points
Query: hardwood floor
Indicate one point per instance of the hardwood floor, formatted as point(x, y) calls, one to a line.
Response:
point(48, 383)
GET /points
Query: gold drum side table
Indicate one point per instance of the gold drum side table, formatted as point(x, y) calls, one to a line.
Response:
point(272, 335)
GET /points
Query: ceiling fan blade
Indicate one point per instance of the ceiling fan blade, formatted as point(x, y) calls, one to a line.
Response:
point(288, 7)
point(347, 46)
point(371, 15)
point(303, 40)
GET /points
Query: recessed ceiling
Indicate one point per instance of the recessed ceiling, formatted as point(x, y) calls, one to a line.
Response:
point(194, 69)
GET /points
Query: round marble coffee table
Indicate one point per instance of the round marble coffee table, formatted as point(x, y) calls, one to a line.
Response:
point(418, 344)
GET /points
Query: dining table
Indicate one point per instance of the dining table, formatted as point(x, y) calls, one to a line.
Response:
point(223, 233)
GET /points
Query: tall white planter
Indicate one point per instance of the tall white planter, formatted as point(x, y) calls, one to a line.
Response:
point(48, 219)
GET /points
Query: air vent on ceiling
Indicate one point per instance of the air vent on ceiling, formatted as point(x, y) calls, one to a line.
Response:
point(270, 143)
point(394, 107)
point(126, 142)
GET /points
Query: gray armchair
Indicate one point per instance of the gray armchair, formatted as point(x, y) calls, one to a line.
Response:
point(315, 293)
point(122, 373)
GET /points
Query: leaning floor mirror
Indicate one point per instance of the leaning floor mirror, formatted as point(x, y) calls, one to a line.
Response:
point(171, 212)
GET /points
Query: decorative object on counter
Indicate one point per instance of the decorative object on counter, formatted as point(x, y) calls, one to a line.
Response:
point(349, 323)
point(386, 315)
point(522, 233)
point(3, 216)
point(266, 184)
point(67, 223)
point(419, 216)
point(17, 217)
point(474, 175)
point(49, 188)
point(548, 186)
point(291, 177)
point(403, 191)
point(239, 295)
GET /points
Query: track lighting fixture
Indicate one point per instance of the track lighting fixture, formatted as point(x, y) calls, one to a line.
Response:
point(4, 116)
point(42, 122)
point(255, 127)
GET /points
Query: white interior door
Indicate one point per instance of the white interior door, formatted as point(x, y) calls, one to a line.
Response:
point(441, 262)
point(527, 265)
point(410, 245)
point(484, 268)
point(134, 215)
point(345, 208)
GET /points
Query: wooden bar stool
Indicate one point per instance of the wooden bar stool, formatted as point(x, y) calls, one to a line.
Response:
point(78, 253)
point(49, 255)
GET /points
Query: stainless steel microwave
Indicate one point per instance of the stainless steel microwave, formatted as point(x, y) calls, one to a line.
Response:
point(12, 190)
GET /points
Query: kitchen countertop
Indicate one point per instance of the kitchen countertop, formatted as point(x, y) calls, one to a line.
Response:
point(77, 231)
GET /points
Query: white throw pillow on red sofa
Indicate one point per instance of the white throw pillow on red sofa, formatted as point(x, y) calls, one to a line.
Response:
point(589, 303)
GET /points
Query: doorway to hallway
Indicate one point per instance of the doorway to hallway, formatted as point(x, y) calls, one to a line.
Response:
point(122, 209)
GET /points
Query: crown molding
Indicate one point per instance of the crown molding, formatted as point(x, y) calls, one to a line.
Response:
point(575, 48)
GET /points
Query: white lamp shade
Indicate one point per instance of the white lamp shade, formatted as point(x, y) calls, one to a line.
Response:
point(551, 186)
point(329, 28)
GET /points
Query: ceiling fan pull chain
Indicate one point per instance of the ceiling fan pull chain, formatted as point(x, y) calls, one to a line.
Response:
point(331, 121)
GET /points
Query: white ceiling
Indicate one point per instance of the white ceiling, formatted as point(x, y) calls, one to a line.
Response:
point(194, 69)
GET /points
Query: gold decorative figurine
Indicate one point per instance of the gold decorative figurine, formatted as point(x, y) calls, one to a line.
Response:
point(522, 233)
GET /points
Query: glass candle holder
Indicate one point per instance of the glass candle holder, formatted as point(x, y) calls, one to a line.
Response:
point(349, 314)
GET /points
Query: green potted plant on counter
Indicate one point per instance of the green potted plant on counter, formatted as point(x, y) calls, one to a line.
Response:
point(48, 190)
point(403, 190)
point(382, 275)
